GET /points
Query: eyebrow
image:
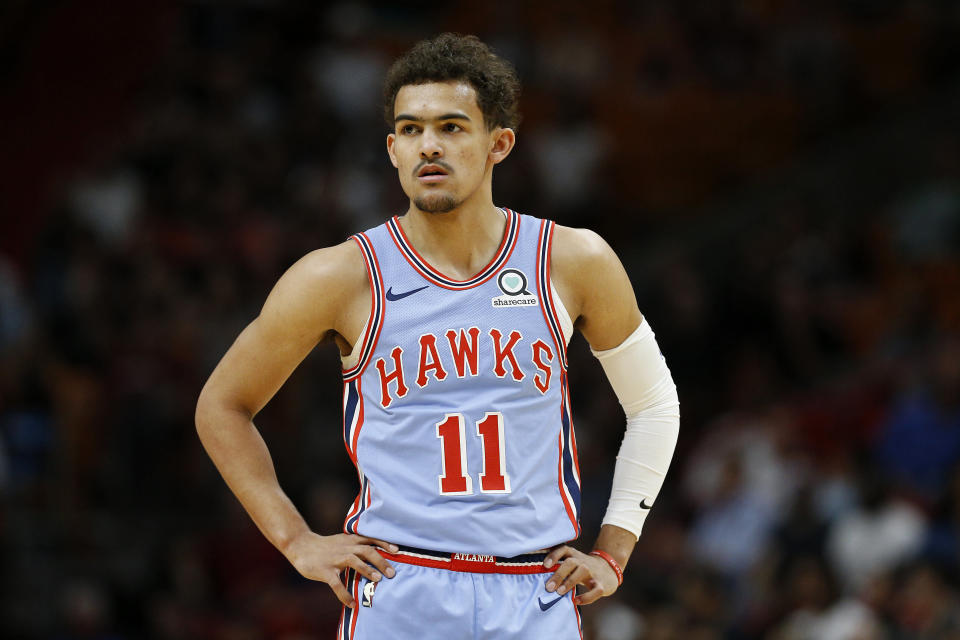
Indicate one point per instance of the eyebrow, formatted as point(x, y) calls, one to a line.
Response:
point(446, 116)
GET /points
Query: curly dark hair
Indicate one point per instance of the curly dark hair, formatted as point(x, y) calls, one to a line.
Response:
point(456, 57)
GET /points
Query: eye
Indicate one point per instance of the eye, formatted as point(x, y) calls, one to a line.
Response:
point(451, 127)
point(409, 129)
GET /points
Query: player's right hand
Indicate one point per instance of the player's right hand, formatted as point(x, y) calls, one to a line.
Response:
point(324, 558)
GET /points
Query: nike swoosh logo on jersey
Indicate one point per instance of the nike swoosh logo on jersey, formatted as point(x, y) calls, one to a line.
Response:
point(644, 505)
point(546, 605)
point(393, 297)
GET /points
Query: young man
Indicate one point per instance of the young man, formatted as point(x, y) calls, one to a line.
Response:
point(452, 321)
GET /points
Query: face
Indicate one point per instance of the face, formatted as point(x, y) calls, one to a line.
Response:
point(442, 149)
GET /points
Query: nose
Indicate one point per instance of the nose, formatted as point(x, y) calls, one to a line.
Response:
point(430, 145)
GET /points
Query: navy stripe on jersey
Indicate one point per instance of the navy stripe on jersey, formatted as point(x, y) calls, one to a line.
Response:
point(364, 498)
point(437, 278)
point(351, 414)
point(375, 321)
point(345, 632)
point(352, 423)
point(546, 293)
point(571, 475)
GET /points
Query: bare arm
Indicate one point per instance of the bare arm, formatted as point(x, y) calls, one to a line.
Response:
point(323, 293)
point(605, 315)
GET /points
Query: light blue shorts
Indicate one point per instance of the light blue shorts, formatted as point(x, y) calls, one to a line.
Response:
point(459, 597)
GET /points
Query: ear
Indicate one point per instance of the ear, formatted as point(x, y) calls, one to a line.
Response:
point(391, 138)
point(502, 143)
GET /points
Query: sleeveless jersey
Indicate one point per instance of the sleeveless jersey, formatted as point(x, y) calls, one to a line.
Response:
point(457, 413)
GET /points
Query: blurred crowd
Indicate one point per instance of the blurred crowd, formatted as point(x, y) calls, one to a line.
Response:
point(814, 333)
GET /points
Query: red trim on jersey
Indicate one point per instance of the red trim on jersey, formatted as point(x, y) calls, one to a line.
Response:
point(356, 504)
point(432, 274)
point(377, 311)
point(353, 458)
point(346, 442)
point(356, 430)
point(351, 444)
point(348, 616)
point(373, 303)
point(351, 448)
point(553, 302)
point(547, 302)
point(467, 566)
point(573, 438)
point(576, 611)
point(356, 599)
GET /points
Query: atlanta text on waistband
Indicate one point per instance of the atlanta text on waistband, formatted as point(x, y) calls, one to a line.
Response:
point(470, 562)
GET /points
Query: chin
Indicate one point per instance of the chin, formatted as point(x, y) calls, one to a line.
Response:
point(436, 203)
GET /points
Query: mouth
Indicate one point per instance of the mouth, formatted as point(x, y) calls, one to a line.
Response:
point(431, 173)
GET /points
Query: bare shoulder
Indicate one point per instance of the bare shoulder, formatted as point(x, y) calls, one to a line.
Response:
point(319, 289)
point(306, 304)
point(578, 248)
point(579, 257)
point(594, 286)
point(340, 264)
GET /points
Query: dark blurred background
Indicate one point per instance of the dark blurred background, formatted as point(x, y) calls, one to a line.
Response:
point(780, 177)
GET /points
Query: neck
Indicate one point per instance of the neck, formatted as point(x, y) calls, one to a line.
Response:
point(458, 243)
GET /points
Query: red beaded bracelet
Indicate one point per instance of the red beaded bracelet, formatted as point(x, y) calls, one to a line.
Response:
point(610, 561)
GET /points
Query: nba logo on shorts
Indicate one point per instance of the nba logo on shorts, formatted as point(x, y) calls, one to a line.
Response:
point(368, 590)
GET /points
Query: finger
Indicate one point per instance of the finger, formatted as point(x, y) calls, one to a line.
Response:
point(373, 557)
point(383, 544)
point(589, 597)
point(364, 569)
point(560, 575)
point(580, 575)
point(556, 556)
point(341, 592)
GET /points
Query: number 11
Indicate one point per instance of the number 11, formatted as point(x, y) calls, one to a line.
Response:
point(455, 479)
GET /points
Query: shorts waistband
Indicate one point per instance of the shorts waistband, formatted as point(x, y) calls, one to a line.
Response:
point(470, 562)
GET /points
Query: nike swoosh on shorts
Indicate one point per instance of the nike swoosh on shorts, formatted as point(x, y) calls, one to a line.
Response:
point(546, 605)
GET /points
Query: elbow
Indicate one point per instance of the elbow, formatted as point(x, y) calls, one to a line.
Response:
point(202, 413)
point(214, 411)
point(209, 407)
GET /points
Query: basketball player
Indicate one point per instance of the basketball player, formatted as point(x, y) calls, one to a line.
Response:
point(453, 321)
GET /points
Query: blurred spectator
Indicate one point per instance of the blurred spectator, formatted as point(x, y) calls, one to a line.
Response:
point(108, 203)
point(617, 621)
point(818, 614)
point(920, 443)
point(731, 531)
point(942, 545)
point(927, 222)
point(927, 608)
point(27, 437)
point(568, 157)
point(15, 317)
point(87, 613)
point(876, 536)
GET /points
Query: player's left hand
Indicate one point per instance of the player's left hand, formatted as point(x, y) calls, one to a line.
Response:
point(578, 568)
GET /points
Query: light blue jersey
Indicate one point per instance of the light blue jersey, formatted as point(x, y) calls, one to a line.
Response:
point(457, 413)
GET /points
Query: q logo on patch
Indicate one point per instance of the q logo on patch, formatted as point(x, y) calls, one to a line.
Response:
point(513, 283)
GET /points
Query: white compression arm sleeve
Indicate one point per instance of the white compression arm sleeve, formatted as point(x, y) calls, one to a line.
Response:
point(643, 384)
